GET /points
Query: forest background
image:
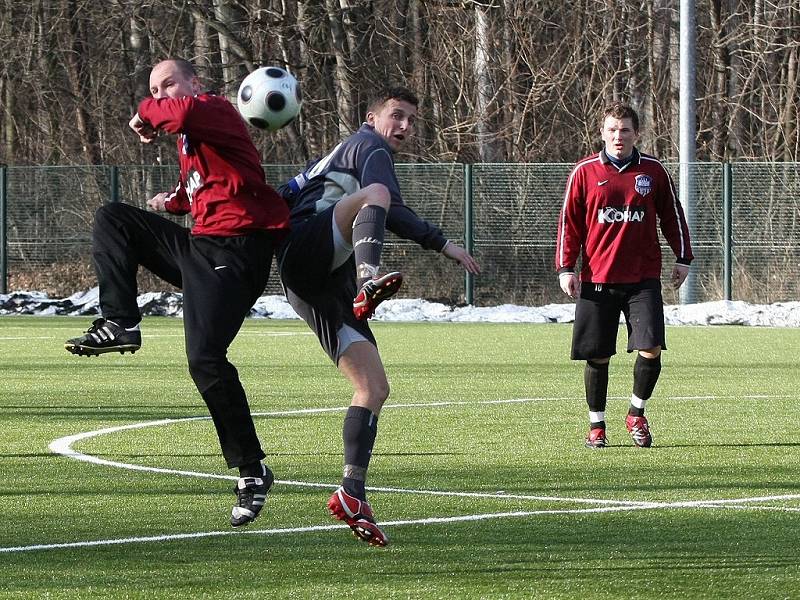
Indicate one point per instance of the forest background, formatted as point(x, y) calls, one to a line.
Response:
point(500, 80)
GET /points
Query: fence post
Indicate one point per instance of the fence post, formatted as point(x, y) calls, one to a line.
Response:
point(727, 230)
point(469, 282)
point(113, 184)
point(3, 231)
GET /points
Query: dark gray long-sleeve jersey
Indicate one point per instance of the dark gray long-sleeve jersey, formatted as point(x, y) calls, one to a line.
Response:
point(360, 160)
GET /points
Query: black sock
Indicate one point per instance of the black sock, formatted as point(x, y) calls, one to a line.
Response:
point(595, 380)
point(355, 487)
point(645, 377)
point(255, 469)
point(358, 433)
point(598, 425)
point(369, 229)
point(125, 323)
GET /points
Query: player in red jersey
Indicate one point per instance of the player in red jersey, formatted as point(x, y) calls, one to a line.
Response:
point(614, 203)
point(222, 264)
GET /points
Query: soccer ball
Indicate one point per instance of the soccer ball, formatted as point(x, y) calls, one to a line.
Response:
point(269, 98)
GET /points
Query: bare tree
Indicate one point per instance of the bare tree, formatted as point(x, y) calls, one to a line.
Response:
point(498, 79)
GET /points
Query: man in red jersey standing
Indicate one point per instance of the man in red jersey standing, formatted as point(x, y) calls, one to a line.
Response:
point(614, 203)
point(222, 264)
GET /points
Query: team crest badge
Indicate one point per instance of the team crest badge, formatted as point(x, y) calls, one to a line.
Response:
point(643, 184)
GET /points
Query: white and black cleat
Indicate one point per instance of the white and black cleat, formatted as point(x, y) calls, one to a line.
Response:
point(251, 495)
point(105, 336)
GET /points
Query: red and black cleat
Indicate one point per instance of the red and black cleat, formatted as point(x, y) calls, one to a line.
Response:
point(596, 438)
point(358, 515)
point(375, 291)
point(639, 430)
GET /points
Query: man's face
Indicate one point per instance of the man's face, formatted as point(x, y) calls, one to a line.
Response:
point(394, 122)
point(619, 136)
point(168, 81)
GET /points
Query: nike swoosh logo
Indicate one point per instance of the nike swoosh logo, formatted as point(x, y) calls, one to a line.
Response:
point(220, 267)
point(605, 181)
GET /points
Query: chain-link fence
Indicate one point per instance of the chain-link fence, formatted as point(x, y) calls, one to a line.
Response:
point(746, 228)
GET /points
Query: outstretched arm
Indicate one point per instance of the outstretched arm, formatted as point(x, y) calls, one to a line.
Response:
point(462, 257)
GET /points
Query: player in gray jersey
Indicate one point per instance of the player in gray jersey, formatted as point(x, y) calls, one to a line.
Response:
point(330, 269)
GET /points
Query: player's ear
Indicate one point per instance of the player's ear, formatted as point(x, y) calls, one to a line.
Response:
point(371, 118)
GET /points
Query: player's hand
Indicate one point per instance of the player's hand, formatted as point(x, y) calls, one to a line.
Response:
point(462, 257)
point(679, 274)
point(143, 129)
point(158, 202)
point(569, 284)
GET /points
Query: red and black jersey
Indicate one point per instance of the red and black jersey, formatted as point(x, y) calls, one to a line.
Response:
point(221, 179)
point(612, 215)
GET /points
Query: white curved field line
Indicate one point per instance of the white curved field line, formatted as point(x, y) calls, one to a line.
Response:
point(63, 446)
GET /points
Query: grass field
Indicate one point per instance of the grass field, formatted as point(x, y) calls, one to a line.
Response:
point(492, 412)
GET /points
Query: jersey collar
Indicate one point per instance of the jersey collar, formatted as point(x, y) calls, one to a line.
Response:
point(636, 159)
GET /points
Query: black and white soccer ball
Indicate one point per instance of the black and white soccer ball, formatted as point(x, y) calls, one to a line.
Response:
point(269, 98)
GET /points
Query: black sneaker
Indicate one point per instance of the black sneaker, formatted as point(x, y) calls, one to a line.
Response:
point(251, 494)
point(105, 336)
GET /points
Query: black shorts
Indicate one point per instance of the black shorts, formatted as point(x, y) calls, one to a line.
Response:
point(597, 311)
point(322, 298)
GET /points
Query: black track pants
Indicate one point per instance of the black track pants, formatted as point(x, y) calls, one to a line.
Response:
point(221, 278)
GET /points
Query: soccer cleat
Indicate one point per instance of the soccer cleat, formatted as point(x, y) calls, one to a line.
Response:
point(596, 438)
point(105, 336)
point(358, 515)
point(375, 291)
point(639, 430)
point(251, 494)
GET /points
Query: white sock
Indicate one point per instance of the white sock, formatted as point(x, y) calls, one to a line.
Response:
point(637, 402)
point(596, 417)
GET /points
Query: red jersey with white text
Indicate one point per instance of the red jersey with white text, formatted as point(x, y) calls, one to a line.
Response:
point(221, 180)
point(612, 215)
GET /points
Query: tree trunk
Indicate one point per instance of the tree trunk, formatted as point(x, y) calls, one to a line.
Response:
point(75, 56)
point(231, 50)
point(722, 63)
point(483, 84)
point(343, 88)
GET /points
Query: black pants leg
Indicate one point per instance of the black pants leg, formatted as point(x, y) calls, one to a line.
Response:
point(223, 279)
point(125, 237)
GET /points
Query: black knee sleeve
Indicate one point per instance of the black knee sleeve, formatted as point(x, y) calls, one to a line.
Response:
point(595, 380)
point(645, 376)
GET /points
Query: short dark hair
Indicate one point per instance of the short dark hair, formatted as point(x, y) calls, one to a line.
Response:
point(392, 93)
point(184, 66)
point(620, 110)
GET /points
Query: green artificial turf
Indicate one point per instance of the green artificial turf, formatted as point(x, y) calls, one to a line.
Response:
point(494, 412)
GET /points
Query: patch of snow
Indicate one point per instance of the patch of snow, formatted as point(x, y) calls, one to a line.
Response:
point(780, 314)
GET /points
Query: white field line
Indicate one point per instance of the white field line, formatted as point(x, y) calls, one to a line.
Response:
point(733, 504)
point(772, 508)
point(313, 528)
point(63, 447)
